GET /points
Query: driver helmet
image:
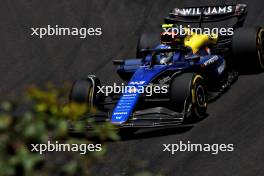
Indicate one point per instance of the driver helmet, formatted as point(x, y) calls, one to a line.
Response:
point(166, 56)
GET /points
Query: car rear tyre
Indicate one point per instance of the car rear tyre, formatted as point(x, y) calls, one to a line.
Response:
point(147, 40)
point(188, 94)
point(248, 49)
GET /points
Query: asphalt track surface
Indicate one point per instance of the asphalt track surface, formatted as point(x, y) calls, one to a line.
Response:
point(236, 117)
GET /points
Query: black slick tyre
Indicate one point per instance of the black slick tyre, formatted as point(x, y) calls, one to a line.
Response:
point(85, 91)
point(147, 40)
point(248, 49)
point(188, 94)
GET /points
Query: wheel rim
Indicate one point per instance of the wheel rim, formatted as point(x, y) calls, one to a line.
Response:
point(199, 99)
point(200, 96)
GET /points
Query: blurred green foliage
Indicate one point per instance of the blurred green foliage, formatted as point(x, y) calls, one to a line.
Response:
point(42, 115)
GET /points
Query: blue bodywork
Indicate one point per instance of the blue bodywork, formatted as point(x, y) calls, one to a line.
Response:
point(143, 73)
point(127, 102)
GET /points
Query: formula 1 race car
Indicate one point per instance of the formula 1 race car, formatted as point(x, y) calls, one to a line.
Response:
point(189, 70)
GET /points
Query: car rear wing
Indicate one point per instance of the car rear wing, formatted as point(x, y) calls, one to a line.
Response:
point(206, 14)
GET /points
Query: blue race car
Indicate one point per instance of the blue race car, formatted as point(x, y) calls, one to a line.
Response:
point(188, 70)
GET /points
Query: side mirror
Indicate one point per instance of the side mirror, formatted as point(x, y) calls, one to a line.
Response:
point(119, 62)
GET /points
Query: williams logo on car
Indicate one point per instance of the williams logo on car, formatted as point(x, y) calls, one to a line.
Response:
point(219, 10)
